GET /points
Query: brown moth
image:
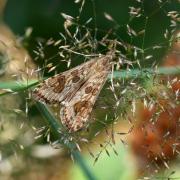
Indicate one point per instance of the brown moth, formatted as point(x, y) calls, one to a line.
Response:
point(76, 90)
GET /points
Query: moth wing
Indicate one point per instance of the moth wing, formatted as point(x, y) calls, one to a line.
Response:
point(76, 111)
point(57, 88)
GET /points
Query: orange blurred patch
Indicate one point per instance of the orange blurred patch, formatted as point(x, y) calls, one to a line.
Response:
point(155, 139)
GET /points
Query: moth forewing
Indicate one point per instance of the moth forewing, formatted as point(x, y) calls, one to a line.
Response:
point(75, 112)
point(55, 89)
point(76, 90)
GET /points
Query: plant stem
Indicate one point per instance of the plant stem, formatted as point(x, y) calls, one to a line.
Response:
point(56, 126)
point(16, 86)
point(138, 72)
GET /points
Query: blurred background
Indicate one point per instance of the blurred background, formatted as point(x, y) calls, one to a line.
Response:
point(136, 133)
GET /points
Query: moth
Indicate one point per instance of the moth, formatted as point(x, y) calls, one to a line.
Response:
point(76, 90)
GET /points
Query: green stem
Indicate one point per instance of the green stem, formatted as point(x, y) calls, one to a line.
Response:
point(15, 86)
point(56, 126)
point(139, 72)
